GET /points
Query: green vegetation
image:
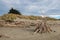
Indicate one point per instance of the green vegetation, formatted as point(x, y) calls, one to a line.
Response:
point(14, 11)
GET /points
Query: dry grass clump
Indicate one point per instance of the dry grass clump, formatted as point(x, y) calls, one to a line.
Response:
point(37, 18)
point(29, 17)
point(8, 17)
point(33, 17)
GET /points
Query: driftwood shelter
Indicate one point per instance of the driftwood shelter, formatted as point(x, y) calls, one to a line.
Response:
point(42, 26)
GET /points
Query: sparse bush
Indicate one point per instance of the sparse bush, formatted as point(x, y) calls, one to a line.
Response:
point(9, 17)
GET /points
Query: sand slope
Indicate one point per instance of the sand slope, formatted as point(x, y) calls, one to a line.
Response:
point(27, 34)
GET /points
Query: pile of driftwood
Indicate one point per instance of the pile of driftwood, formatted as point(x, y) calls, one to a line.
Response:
point(42, 27)
point(9, 23)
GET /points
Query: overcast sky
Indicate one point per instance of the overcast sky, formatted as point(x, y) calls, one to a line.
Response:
point(32, 7)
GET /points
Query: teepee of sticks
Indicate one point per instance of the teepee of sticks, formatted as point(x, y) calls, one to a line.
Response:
point(42, 27)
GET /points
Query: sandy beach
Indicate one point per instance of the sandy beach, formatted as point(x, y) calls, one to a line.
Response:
point(28, 34)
